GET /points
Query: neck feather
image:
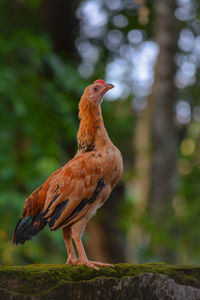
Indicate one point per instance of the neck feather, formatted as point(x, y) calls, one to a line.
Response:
point(90, 121)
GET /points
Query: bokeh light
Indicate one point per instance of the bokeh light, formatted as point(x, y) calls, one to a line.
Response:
point(187, 146)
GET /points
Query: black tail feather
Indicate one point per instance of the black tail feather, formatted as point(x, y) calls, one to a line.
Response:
point(27, 227)
point(57, 212)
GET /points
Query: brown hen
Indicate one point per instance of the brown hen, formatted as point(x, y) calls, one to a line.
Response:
point(72, 194)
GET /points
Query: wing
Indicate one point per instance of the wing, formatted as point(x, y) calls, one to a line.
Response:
point(73, 190)
point(35, 202)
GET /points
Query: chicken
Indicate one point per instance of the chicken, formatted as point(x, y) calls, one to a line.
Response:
point(72, 194)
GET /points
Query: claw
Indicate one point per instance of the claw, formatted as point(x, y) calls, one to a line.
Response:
point(91, 264)
point(88, 264)
point(100, 264)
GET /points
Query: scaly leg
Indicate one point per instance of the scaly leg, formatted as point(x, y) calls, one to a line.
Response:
point(82, 259)
point(70, 249)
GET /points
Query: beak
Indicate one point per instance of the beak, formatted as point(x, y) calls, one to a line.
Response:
point(108, 87)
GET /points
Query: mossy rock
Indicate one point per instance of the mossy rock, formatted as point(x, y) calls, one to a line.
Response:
point(124, 281)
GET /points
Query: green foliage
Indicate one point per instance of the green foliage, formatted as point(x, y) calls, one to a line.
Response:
point(38, 125)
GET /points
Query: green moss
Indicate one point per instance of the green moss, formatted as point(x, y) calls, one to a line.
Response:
point(40, 279)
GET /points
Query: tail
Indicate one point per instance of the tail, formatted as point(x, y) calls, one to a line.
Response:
point(27, 227)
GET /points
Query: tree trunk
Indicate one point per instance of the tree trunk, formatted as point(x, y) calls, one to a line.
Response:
point(164, 132)
point(60, 21)
point(106, 240)
point(138, 187)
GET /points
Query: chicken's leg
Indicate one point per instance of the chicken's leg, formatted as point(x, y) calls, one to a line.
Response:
point(70, 249)
point(82, 258)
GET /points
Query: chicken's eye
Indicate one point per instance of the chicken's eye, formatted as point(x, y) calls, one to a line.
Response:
point(96, 89)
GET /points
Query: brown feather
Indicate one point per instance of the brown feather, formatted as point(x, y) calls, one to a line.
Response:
point(35, 202)
point(76, 190)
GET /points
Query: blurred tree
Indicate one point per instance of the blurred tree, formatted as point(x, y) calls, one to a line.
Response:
point(163, 176)
point(59, 19)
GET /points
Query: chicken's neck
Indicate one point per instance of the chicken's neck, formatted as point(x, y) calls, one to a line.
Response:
point(92, 134)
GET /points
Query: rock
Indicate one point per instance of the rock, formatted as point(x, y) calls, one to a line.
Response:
point(123, 282)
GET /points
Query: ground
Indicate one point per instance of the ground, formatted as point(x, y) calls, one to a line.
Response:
point(145, 282)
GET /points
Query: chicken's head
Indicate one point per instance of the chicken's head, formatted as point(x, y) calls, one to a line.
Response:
point(96, 91)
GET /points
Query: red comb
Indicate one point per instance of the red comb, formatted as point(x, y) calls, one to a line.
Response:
point(100, 81)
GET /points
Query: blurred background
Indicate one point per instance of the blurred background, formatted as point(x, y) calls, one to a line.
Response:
point(150, 50)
